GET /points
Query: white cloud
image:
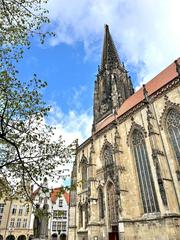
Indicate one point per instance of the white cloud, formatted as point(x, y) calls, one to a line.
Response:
point(71, 125)
point(146, 32)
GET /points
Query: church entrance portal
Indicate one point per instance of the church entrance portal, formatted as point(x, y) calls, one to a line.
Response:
point(113, 236)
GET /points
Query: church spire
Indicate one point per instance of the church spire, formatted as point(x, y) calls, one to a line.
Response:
point(109, 54)
point(112, 85)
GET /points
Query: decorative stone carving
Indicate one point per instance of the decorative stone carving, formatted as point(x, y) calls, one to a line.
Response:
point(168, 106)
point(177, 67)
point(134, 126)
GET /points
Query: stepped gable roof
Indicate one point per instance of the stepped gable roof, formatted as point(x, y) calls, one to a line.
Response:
point(54, 194)
point(163, 78)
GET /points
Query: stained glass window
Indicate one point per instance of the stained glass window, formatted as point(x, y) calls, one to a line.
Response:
point(173, 124)
point(80, 216)
point(84, 175)
point(108, 155)
point(108, 161)
point(101, 204)
point(148, 194)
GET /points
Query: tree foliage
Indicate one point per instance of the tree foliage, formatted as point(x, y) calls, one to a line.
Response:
point(27, 150)
point(20, 20)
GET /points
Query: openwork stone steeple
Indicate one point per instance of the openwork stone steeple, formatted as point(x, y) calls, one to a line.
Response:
point(112, 85)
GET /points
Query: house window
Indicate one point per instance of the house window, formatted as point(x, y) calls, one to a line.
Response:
point(1, 208)
point(173, 125)
point(26, 210)
point(60, 214)
point(64, 214)
point(20, 212)
point(63, 226)
point(54, 226)
point(18, 224)
point(59, 228)
point(146, 183)
point(0, 219)
point(55, 214)
point(14, 209)
point(12, 223)
point(25, 223)
point(60, 202)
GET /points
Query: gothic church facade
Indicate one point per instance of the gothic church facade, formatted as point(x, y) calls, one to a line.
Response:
point(128, 172)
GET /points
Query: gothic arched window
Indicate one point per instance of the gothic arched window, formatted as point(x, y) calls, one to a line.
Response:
point(84, 175)
point(112, 211)
point(86, 214)
point(83, 166)
point(173, 125)
point(108, 155)
point(80, 216)
point(148, 194)
point(101, 203)
point(107, 158)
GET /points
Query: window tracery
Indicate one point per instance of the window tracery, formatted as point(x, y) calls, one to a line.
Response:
point(148, 194)
point(83, 167)
point(108, 155)
point(107, 158)
point(84, 175)
point(173, 125)
point(80, 216)
point(101, 204)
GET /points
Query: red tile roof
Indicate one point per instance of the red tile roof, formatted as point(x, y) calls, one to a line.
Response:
point(54, 194)
point(164, 77)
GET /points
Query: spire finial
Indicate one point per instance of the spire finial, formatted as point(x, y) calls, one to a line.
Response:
point(110, 56)
point(106, 27)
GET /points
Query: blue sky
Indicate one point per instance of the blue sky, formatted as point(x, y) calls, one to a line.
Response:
point(145, 33)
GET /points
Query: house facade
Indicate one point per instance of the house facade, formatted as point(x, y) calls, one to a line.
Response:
point(15, 217)
point(58, 205)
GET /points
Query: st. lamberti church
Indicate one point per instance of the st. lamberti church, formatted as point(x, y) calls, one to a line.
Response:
point(128, 171)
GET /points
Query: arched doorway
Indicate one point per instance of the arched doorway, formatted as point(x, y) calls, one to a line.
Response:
point(54, 236)
point(30, 237)
point(10, 237)
point(21, 237)
point(63, 236)
point(1, 237)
